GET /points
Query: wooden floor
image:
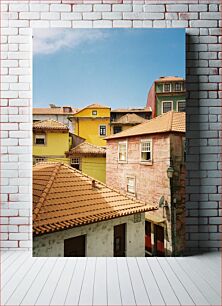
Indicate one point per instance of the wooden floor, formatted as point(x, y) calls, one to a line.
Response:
point(26, 280)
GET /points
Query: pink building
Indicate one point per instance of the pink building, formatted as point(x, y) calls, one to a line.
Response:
point(148, 162)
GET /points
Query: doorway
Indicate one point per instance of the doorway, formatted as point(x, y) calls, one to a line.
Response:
point(120, 240)
point(159, 240)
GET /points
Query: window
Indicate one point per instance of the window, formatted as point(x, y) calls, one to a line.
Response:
point(122, 151)
point(94, 112)
point(146, 150)
point(39, 159)
point(40, 139)
point(75, 163)
point(102, 130)
point(166, 106)
point(167, 87)
point(178, 87)
point(131, 184)
point(117, 129)
point(181, 105)
point(75, 247)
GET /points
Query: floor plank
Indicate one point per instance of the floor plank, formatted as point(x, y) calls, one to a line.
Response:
point(187, 281)
point(100, 284)
point(167, 291)
point(11, 261)
point(208, 292)
point(73, 293)
point(181, 293)
point(151, 285)
point(113, 285)
point(139, 289)
point(86, 294)
point(126, 289)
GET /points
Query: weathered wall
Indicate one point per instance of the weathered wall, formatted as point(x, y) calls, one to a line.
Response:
point(99, 238)
point(202, 21)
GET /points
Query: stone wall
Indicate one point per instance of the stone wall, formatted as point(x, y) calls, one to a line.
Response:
point(99, 238)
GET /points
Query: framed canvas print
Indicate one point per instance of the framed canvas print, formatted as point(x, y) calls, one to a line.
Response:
point(109, 144)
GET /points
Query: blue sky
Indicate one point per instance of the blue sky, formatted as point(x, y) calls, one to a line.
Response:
point(114, 67)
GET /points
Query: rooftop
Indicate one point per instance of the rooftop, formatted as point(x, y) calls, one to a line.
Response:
point(86, 148)
point(64, 198)
point(169, 79)
point(54, 110)
point(131, 110)
point(49, 125)
point(129, 119)
point(169, 122)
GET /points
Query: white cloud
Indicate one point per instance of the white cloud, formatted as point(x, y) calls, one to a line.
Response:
point(48, 41)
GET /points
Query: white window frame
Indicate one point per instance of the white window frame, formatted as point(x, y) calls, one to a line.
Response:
point(99, 130)
point(41, 159)
point(120, 143)
point(178, 104)
point(75, 163)
point(181, 86)
point(170, 87)
point(167, 102)
point(133, 186)
point(39, 136)
point(151, 150)
point(95, 112)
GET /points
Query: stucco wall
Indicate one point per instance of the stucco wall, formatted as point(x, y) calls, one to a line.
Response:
point(99, 240)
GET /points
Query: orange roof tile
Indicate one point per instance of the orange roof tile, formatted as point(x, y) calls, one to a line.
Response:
point(129, 119)
point(49, 125)
point(64, 198)
point(86, 148)
point(169, 79)
point(168, 122)
point(53, 111)
point(92, 106)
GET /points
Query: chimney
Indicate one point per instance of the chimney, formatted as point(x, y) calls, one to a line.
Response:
point(93, 184)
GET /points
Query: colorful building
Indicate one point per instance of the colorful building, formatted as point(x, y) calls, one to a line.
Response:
point(92, 123)
point(147, 162)
point(76, 216)
point(90, 159)
point(167, 94)
point(125, 122)
point(58, 113)
point(51, 139)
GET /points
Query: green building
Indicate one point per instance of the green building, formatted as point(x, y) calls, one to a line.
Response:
point(166, 94)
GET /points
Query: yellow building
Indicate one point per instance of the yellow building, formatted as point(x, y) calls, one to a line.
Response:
point(50, 141)
point(92, 123)
point(90, 159)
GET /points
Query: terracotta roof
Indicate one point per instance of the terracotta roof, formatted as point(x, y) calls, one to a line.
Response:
point(168, 122)
point(169, 79)
point(131, 110)
point(129, 119)
point(92, 106)
point(53, 111)
point(49, 125)
point(64, 198)
point(86, 148)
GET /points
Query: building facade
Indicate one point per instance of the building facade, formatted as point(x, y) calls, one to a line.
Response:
point(167, 94)
point(51, 140)
point(92, 123)
point(76, 216)
point(125, 122)
point(140, 161)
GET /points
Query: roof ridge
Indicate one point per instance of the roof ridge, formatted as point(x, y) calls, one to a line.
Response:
point(46, 190)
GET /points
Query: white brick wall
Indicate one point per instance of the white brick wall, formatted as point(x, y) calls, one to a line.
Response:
point(201, 19)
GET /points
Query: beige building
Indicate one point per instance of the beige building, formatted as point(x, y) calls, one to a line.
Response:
point(75, 215)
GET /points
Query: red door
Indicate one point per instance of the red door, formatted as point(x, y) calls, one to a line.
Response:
point(159, 240)
point(148, 244)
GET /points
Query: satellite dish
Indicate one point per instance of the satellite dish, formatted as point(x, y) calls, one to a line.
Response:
point(161, 201)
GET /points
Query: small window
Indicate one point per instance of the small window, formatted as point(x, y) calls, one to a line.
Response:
point(146, 150)
point(102, 130)
point(94, 112)
point(166, 106)
point(75, 163)
point(131, 184)
point(181, 105)
point(178, 87)
point(40, 139)
point(167, 87)
point(117, 129)
point(40, 159)
point(122, 151)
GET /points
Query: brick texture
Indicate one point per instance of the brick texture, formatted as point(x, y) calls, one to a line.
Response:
point(201, 18)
